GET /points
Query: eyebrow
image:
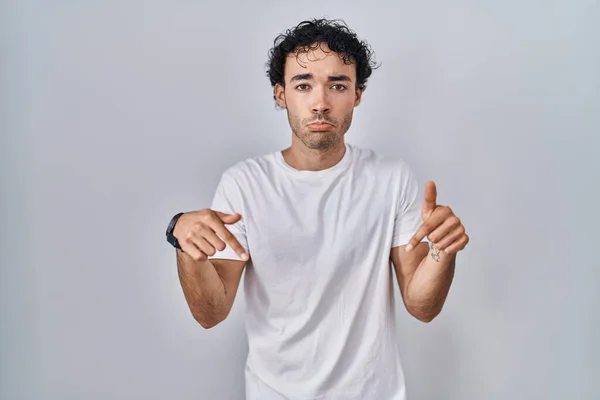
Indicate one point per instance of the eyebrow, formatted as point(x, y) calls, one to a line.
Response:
point(332, 78)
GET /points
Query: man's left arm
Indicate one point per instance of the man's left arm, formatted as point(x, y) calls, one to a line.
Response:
point(425, 275)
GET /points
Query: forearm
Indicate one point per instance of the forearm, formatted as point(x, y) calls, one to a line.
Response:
point(203, 289)
point(429, 285)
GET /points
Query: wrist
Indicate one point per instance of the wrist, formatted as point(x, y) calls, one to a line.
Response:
point(171, 228)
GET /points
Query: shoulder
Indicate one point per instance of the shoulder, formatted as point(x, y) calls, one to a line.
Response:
point(381, 163)
point(249, 168)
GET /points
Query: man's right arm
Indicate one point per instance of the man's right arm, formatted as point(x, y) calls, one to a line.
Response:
point(209, 286)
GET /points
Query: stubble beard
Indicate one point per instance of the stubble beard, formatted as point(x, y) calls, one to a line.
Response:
point(319, 140)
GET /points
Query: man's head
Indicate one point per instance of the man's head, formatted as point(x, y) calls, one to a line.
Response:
point(319, 70)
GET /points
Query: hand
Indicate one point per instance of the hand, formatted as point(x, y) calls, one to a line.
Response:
point(440, 225)
point(199, 234)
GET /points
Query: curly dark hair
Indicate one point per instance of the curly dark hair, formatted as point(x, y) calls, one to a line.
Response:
point(308, 35)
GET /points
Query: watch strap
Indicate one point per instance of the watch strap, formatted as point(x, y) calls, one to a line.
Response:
point(170, 228)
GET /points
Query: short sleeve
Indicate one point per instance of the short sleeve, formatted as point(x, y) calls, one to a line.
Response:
point(228, 199)
point(408, 208)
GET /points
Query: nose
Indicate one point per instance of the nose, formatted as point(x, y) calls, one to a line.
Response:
point(320, 102)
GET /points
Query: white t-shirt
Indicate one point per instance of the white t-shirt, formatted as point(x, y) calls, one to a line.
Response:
point(320, 314)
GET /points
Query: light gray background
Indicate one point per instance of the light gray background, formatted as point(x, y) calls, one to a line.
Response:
point(116, 115)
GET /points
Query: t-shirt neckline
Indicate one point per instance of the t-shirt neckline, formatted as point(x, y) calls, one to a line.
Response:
point(341, 165)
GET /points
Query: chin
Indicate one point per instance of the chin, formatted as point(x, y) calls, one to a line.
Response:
point(320, 140)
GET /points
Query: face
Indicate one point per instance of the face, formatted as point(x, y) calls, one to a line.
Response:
point(320, 95)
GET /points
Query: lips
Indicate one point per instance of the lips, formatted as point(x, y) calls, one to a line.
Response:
point(320, 126)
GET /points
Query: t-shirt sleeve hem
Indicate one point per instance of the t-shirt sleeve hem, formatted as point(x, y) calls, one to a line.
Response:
point(227, 254)
point(403, 240)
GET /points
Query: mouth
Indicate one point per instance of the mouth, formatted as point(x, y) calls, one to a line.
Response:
point(320, 126)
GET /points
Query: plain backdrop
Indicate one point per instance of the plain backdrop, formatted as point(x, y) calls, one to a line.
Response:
point(115, 115)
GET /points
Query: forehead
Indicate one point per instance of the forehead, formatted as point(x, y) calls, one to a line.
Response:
point(319, 61)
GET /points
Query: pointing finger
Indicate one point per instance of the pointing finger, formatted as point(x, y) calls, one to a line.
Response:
point(418, 237)
point(424, 230)
point(230, 239)
point(228, 218)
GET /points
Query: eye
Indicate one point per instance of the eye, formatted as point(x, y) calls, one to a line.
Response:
point(338, 87)
point(302, 87)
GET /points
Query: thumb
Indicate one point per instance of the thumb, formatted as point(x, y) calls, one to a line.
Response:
point(228, 218)
point(430, 198)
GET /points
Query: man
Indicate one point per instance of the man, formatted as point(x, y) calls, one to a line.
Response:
point(315, 227)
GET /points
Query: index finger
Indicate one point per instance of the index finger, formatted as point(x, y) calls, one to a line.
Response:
point(219, 227)
point(424, 230)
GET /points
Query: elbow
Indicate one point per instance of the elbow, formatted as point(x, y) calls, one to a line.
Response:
point(205, 322)
point(208, 315)
point(425, 316)
point(207, 325)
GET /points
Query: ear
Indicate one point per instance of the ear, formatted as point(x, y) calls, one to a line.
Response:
point(358, 97)
point(279, 93)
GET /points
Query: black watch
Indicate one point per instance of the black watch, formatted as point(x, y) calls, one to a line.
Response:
point(170, 238)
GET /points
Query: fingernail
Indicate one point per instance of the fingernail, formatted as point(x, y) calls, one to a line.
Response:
point(409, 247)
point(244, 256)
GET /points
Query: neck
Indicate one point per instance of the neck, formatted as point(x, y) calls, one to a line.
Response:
point(303, 158)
